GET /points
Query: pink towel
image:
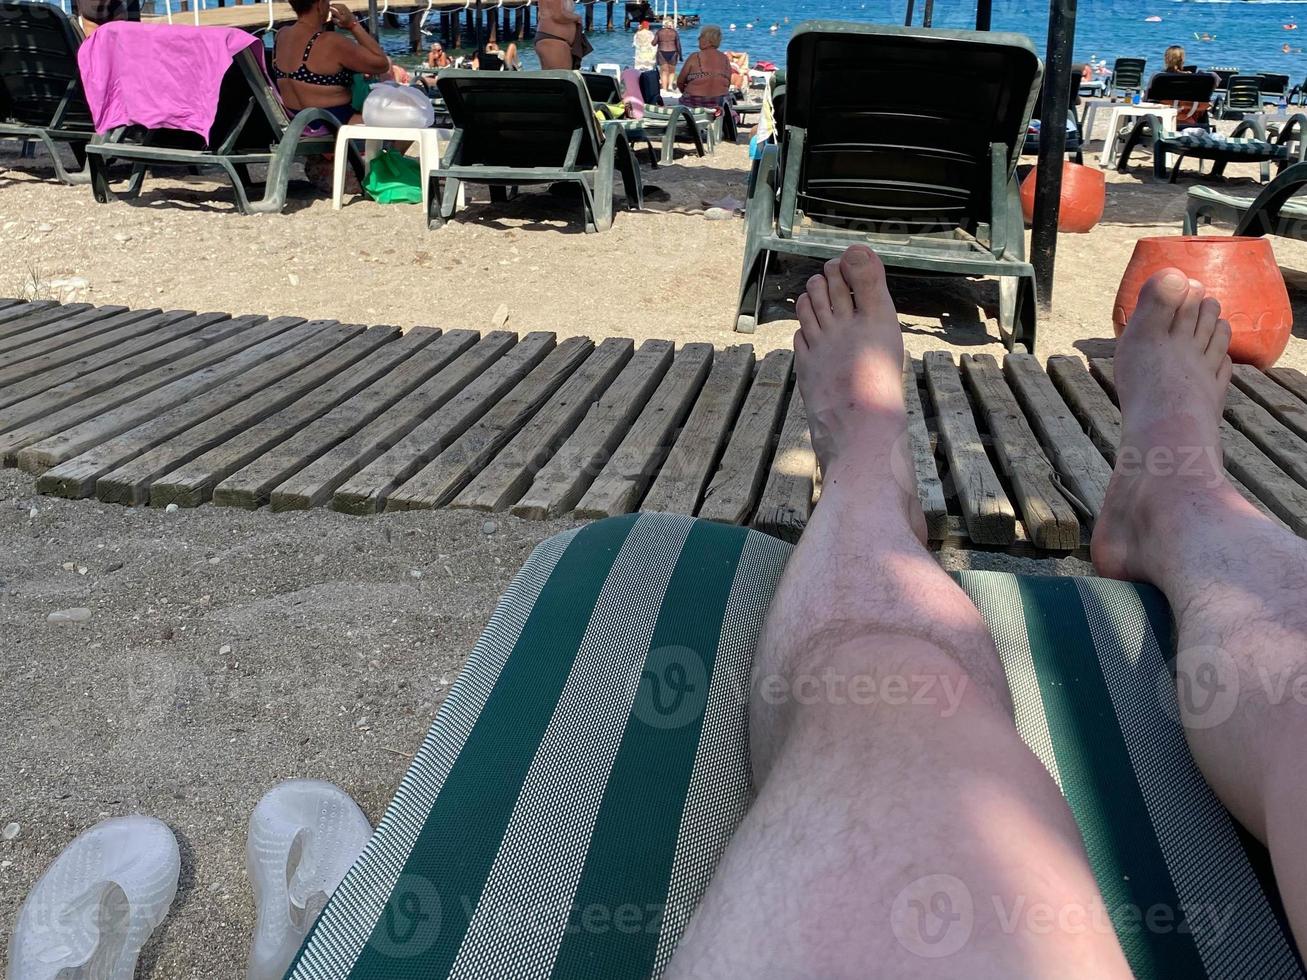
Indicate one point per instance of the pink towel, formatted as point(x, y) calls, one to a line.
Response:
point(633, 97)
point(161, 76)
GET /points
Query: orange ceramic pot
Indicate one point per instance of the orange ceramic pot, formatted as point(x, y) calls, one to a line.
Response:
point(1240, 272)
point(1084, 195)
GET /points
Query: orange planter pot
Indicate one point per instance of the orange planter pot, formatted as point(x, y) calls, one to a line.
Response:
point(1084, 195)
point(1240, 272)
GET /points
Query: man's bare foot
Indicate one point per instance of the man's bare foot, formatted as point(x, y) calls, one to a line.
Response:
point(1171, 371)
point(849, 359)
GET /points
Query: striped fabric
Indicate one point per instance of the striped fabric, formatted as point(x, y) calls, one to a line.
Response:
point(570, 802)
point(1248, 147)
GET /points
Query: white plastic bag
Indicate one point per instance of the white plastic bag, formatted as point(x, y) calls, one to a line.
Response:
point(400, 106)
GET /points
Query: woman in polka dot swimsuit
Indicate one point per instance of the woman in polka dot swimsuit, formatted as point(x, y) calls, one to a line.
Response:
point(314, 66)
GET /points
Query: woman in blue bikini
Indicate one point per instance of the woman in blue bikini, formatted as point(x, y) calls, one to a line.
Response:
point(314, 67)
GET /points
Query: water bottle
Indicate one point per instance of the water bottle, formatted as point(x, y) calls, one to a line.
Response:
point(1136, 99)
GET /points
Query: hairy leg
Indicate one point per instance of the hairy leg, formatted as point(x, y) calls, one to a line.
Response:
point(890, 830)
point(1235, 579)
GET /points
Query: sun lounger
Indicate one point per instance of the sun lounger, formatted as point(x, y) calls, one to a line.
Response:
point(1075, 137)
point(1242, 94)
point(251, 127)
point(924, 174)
point(1127, 77)
point(40, 90)
point(606, 94)
point(517, 128)
point(1273, 212)
point(588, 767)
point(1247, 144)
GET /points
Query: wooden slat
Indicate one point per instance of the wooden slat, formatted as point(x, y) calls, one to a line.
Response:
point(230, 338)
point(786, 501)
point(32, 315)
point(56, 333)
point(1099, 416)
point(130, 482)
point(123, 327)
point(89, 455)
point(989, 514)
point(1287, 408)
point(685, 472)
point(437, 483)
point(1291, 378)
point(734, 489)
point(1257, 479)
point(568, 474)
point(930, 489)
point(192, 484)
point(622, 482)
point(6, 302)
point(64, 384)
point(251, 486)
point(509, 474)
point(1049, 518)
point(314, 484)
point(368, 490)
point(1082, 468)
point(1267, 433)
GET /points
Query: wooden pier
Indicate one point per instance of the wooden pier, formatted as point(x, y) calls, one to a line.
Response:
point(452, 19)
point(147, 407)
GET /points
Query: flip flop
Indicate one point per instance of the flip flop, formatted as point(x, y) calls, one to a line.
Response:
point(97, 904)
point(304, 835)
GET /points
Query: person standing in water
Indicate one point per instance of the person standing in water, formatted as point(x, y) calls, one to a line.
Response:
point(669, 53)
point(560, 40)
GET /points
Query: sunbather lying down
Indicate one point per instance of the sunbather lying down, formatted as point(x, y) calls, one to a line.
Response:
point(869, 819)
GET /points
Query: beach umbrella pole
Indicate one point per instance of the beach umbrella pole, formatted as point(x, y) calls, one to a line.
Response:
point(372, 20)
point(1052, 146)
point(984, 14)
point(907, 21)
point(928, 13)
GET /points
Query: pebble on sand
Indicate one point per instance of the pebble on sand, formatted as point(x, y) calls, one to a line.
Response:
point(224, 650)
point(171, 509)
point(489, 527)
point(78, 614)
point(11, 831)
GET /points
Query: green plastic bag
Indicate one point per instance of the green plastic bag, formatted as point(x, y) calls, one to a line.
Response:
point(359, 92)
point(394, 179)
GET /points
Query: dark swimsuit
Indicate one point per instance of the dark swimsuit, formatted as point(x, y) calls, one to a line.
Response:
point(341, 79)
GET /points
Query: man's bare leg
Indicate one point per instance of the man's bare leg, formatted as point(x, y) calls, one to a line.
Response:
point(1236, 581)
point(890, 837)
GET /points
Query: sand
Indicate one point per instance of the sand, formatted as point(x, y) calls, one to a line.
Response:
point(344, 632)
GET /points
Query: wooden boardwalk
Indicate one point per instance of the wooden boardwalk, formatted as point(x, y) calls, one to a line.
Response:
point(146, 407)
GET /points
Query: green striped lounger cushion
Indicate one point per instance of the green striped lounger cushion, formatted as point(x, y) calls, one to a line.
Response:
point(568, 806)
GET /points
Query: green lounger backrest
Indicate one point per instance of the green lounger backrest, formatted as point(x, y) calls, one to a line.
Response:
point(1128, 73)
point(1182, 87)
point(602, 88)
point(1243, 92)
point(897, 123)
point(38, 67)
point(249, 117)
point(524, 119)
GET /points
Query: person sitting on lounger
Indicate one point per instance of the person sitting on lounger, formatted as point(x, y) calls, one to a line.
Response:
point(705, 79)
point(314, 67)
point(437, 58)
point(1189, 115)
point(494, 58)
point(739, 69)
point(879, 824)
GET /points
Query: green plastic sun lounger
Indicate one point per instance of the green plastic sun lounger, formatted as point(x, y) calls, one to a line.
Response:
point(606, 97)
point(1273, 212)
point(586, 771)
point(41, 96)
point(250, 127)
point(513, 129)
point(923, 173)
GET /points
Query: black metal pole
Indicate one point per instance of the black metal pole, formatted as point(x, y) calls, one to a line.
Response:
point(984, 14)
point(1052, 145)
point(928, 13)
point(907, 21)
point(372, 20)
point(481, 43)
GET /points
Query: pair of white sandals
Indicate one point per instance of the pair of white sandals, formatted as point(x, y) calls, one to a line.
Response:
point(107, 891)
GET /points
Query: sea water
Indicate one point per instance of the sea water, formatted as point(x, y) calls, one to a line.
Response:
point(1246, 34)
